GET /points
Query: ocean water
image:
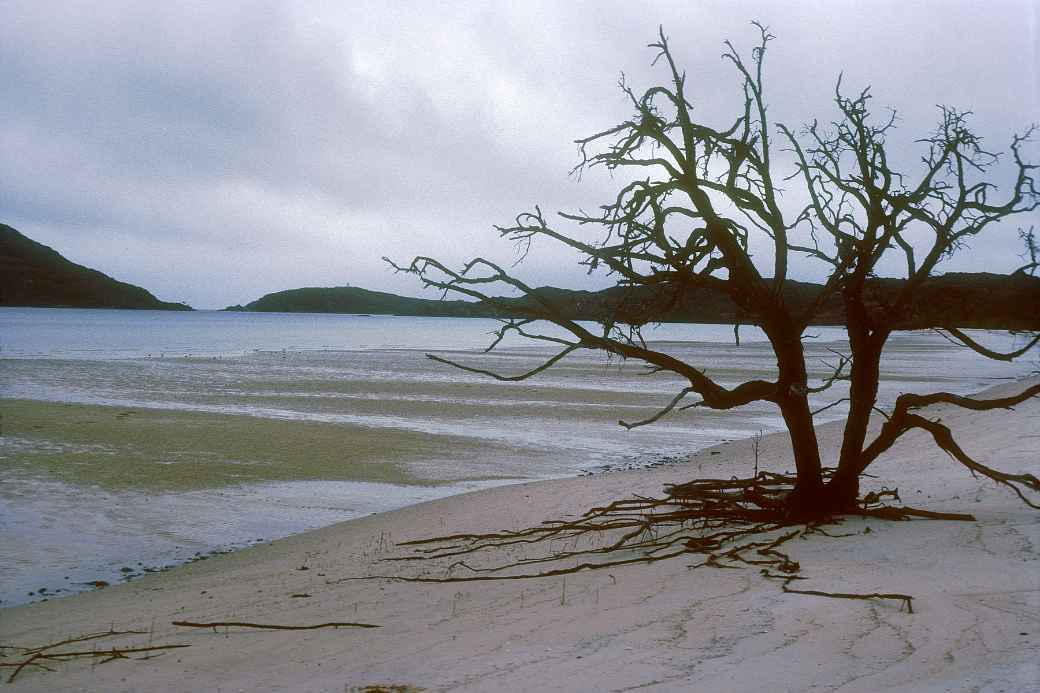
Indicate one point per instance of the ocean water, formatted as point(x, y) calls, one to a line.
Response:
point(114, 334)
point(140, 439)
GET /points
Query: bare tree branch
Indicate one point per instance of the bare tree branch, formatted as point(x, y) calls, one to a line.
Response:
point(828, 406)
point(668, 408)
point(988, 353)
point(901, 421)
point(507, 378)
point(944, 439)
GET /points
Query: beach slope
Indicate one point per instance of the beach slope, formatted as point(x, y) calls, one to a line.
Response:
point(661, 627)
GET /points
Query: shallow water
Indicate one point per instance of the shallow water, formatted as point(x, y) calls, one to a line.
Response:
point(141, 436)
point(105, 334)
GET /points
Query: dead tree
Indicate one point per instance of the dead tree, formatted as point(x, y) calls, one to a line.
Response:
point(699, 193)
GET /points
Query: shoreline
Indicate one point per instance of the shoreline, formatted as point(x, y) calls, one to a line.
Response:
point(81, 477)
point(654, 627)
point(126, 567)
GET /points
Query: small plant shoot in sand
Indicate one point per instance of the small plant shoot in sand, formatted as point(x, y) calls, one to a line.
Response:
point(693, 197)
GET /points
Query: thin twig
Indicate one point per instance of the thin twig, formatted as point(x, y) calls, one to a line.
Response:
point(271, 626)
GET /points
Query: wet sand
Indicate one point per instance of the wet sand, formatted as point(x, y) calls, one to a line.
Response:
point(169, 450)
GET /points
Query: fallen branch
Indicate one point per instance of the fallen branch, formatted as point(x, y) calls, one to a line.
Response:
point(270, 626)
point(35, 656)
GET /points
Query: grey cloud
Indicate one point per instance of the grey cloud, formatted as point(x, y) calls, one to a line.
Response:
point(307, 140)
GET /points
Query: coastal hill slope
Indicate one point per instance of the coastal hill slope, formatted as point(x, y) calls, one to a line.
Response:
point(979, 300)
point(350, 299)
point(34, 275)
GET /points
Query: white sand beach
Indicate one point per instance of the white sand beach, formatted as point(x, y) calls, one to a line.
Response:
point(975, 624)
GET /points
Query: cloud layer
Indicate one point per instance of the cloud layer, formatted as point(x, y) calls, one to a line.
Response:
point(213, 152)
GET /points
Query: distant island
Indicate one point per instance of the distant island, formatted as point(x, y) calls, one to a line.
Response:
point(978, 300)
point(349, 299)
point(34, 275)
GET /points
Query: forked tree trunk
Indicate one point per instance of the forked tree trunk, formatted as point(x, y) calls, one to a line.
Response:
point(813, 498)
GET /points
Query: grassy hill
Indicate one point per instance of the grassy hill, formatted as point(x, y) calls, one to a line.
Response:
point(31, 274)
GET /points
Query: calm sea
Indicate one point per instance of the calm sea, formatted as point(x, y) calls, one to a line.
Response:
point(199, 431)
point(115, 334)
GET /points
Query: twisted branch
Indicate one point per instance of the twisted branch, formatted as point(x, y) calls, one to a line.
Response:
point(36, 656)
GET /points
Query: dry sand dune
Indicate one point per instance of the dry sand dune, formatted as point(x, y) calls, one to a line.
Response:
point(660, 627)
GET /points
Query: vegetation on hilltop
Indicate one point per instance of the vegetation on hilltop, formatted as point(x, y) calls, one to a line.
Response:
point(34, 275)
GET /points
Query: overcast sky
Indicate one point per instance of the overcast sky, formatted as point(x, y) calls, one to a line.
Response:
point(215, 151)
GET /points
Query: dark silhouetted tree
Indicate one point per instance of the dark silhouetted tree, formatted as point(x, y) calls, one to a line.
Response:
point(701, 192)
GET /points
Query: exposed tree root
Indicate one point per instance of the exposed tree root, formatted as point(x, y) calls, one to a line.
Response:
point(907, 600)
point(726, 523)
point(271, 626)
point(38, 657)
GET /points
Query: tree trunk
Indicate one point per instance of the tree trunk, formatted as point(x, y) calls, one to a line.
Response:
point(793, 401)
point(807, 499)
point(866, 349)
point(862, 397)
